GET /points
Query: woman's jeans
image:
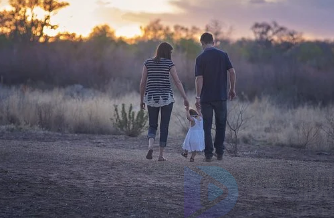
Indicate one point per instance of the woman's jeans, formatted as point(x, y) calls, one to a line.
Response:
point(153, 115)
point(220, 110)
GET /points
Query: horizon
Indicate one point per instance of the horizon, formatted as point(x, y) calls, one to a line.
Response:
point(126, 16)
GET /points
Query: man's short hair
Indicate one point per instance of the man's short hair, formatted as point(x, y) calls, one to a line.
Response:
point(207, 38)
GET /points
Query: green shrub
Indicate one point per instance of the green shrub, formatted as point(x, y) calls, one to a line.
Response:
point(128, 122)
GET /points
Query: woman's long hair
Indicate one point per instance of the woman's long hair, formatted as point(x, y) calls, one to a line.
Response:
point(164, 50)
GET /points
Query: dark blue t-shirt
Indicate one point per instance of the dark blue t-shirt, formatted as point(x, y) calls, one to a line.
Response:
point(213, 65)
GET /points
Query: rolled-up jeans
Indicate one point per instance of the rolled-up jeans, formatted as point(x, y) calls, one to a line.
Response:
point(220, 110)
point(153, 115)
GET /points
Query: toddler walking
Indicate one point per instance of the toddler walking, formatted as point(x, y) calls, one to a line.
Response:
point(194, 140)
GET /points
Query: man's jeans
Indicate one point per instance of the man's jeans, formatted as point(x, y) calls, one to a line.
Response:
point(220, 109)
point(153, 115)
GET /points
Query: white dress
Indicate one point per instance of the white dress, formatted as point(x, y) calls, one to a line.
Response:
point(194, 140)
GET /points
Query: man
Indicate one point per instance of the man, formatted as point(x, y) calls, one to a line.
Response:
point(211, 70)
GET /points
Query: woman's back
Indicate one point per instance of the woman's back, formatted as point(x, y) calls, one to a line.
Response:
point(158, 88)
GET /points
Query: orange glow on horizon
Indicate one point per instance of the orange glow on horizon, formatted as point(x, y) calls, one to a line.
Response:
point(80, 17)
point(128, 31)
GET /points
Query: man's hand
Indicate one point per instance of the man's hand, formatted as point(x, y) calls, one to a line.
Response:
point(231, 94)
point(142, 105)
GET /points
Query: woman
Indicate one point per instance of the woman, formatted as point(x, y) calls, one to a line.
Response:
point(157, 94)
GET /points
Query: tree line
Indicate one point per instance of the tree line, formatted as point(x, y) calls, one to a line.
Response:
point(278, 61)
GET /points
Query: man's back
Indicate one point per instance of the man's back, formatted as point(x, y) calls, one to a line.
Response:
point(213, 65)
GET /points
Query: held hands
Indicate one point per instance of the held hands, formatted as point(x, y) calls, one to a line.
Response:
point(198, 104)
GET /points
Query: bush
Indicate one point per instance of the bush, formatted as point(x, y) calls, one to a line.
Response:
point(128, 122)
point(236, 120)
point(329, 129)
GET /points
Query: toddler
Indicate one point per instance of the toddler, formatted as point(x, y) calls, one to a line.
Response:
point(194, 140)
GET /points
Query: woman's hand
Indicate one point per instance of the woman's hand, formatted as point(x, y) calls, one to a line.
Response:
point(142, 105)
point(186, 102)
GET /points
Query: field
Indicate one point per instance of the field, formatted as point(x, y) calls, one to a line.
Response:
point(78, 110)
point(45, 174)
point(60, 156)
point(64, 152)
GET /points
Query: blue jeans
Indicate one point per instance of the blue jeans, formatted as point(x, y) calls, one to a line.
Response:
point(220, 110)
point(153, 115)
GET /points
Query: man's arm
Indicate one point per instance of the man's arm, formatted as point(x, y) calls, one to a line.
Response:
point(232, 76)
point(198, 81)
point(199, 86)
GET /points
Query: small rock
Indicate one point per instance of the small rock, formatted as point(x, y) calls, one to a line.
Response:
point(324, 153)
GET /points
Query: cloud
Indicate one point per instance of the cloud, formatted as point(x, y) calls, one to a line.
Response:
point(311, 17)
point(258, 1)
point(264, 1)
point(113, 16)
point(102, 3)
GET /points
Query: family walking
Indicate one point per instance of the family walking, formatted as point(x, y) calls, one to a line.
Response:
point(211, 82)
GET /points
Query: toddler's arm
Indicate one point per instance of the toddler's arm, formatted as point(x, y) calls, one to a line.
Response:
point(199, 112)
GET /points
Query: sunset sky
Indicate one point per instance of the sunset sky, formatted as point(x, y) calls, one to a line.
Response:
point(314, 18)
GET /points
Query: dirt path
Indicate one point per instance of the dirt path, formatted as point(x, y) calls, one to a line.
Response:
point(55, 175)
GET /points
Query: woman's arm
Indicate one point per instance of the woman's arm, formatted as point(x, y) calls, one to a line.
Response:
point(142, 87)
point(179, 85)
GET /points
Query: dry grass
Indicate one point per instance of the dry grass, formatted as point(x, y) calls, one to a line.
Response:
point(300, 127)
point(60, 110)
point(78, 110)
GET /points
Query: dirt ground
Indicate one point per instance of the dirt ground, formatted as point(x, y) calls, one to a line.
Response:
point(63, 175)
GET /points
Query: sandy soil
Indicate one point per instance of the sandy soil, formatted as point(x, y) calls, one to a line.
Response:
point(63, 175)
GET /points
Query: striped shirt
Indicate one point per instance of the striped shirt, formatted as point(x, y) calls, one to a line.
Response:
point(158, 87)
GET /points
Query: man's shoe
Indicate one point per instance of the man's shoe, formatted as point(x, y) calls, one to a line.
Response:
point(219, 157)
point(207, 159)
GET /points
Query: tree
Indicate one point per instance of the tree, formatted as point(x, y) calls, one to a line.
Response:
point(216, 28)
point(190, 47)
point(67, 36)
point(156, 31)
point(195, 32)
point(102, 34)
point(268, 35)
point(51, 7)
point(181, 32)
point(20, 24)
point(236, 121)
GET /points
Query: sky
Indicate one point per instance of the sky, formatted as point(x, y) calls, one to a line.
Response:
point(313, 18)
